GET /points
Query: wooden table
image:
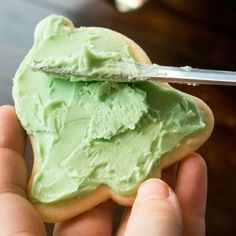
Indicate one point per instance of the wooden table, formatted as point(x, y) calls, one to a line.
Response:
point(200, 34)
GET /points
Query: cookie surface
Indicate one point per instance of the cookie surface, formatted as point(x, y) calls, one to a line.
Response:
point(96, 140)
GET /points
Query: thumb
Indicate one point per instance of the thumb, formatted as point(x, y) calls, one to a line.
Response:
point(155, 212)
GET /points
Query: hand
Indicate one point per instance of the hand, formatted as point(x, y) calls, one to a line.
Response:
point(157, 211)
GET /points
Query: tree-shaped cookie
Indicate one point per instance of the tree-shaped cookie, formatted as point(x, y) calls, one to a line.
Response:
point(95, 140)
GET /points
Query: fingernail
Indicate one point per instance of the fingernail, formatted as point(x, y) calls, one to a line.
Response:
point(152, 188)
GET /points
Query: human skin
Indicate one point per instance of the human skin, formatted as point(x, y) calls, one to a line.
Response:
point(158, 209)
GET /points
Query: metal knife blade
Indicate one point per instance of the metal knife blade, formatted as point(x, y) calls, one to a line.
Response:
point(154, 72)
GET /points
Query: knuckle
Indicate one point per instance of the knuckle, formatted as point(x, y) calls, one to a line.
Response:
point(12, 189)
point(157, 207)
point(4, 140)
point(12, 172)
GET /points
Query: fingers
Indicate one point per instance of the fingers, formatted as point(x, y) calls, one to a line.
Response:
point(12, 135)
point(17, 216)
point(191, 188)
point(13, 175)
point(97, 221)
point(155, 211)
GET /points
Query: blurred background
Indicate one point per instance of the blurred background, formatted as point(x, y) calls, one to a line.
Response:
point(198, 33)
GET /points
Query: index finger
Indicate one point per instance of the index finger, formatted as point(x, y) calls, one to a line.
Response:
point(17, 215)
point(13, 174)
point(12, 135)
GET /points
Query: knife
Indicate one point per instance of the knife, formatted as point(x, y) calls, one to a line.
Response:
point(141, 72)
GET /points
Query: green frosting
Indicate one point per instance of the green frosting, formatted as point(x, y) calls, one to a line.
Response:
point(92, 133)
